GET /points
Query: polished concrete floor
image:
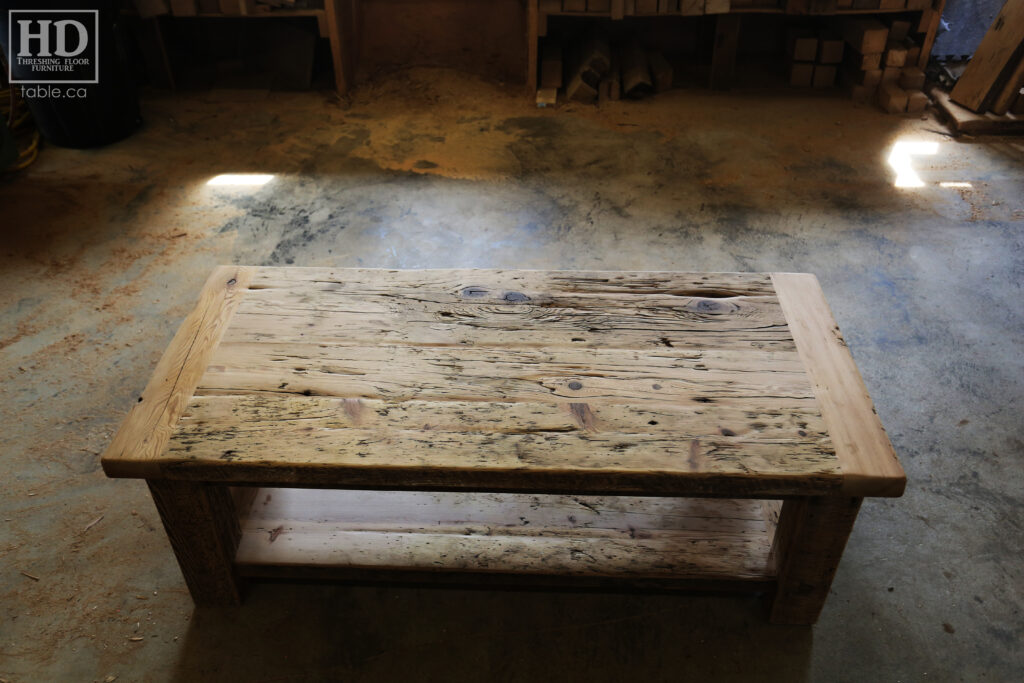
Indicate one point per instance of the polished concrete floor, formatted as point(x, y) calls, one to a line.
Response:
point(103, 252)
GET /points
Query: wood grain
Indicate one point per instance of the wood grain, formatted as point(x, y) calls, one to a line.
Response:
point(869, 464)
point(508, 533)
point(143, 435)
point(812, 534)
point(993, 62)
point(203, 527)
point(586, 382)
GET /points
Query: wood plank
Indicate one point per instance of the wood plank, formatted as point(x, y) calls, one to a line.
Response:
point(143, 435)
point(1008, 95)
point(744, 418)
point(965, 121)
point(866, 457)
point(994, 60)
point(576, 536)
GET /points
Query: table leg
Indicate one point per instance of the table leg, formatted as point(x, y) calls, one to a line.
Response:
point(203, 528)
point(809, 542)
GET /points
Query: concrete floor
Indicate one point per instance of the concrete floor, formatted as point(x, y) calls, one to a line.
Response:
point(104, 251)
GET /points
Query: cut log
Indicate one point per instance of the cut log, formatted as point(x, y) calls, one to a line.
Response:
point(661, 71)
point(636, 75)
point(802, 45)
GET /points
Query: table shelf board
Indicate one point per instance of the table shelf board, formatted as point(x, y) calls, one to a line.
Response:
point(495, 533)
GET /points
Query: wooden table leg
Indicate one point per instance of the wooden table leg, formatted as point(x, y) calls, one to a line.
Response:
point(809, 542)
point(201, 522)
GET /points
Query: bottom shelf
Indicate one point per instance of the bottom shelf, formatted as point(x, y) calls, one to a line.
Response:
point(299, 532)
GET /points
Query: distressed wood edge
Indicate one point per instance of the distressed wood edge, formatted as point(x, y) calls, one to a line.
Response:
point(145, 431)
point(867, 460)
point(270, 473)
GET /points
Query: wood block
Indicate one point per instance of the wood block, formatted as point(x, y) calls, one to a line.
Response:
point(913, 53)
point(618, 9)
point(891, 74)
point(898, 30)
point(208, 6)
point(691, 7)
point(646, 7)
point(830, 49)
point(802, 45)
point(866, 4)
point(824, 76)
point(918, 5)
point(716, 6)
point(184, 8)
point(862, 62)
point(866, 36)
point(603, 6)
point(801, 74)
point(661, 71)
point(574, 5)
point(892, 4)
point(895, 55)
point(232, 7)
point(911, 78)
point(892, 98)
point(547, 97)
point(917, 101)
point(870, 78)
point(861, 93)
point(844, 4)
point(551, 65)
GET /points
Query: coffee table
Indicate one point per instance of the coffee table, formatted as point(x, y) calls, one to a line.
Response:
point(707, 431)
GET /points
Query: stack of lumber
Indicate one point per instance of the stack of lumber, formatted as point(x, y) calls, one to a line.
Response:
point(596, 71)
point(814, 57)
point(881, 64)
point(994, 77)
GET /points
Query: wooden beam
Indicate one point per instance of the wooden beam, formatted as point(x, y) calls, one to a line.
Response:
point(994, 60)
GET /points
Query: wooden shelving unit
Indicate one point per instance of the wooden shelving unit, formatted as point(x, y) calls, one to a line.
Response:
point(538, 11)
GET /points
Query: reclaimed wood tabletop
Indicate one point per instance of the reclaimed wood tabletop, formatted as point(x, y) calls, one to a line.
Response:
point(645, 383)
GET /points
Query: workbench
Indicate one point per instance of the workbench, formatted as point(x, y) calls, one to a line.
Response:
point(692, 430)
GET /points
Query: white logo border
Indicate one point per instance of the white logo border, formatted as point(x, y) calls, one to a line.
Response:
point(96, 29)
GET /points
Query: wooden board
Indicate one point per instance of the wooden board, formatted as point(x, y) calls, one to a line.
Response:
point(509, 534)
point(600, 382)
point(994, 60)
point(868, 461)
point(965, 121)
